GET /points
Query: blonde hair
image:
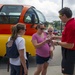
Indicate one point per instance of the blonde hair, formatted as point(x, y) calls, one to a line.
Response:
point(50, 27)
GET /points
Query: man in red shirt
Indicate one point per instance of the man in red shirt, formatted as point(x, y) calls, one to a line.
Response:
point(67, 41)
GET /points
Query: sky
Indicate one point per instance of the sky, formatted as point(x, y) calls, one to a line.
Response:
point(49, 8)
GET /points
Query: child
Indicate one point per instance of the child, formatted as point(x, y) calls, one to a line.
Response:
point(50, 34)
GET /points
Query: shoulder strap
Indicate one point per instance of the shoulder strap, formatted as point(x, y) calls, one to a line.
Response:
point(8, 65)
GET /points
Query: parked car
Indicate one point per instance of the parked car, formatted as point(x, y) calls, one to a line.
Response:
point(55, 32)
point(59, 32)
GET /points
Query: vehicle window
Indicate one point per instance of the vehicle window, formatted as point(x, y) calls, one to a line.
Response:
point(28, 16)
point(3, 17)
point(11, 12)
point(14, 17)
point(40, 16)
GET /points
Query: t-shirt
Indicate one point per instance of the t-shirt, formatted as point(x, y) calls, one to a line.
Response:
point(44, 50)
point(20, 43)
point(68, 34)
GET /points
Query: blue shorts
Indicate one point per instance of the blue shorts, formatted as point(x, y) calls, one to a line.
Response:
point(41, 60)
point(15, 70)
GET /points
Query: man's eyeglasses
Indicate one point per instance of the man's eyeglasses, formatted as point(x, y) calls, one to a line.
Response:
point(60, 15)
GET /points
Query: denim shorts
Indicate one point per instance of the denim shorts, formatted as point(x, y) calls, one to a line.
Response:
point(41, 60)
point(15, 70)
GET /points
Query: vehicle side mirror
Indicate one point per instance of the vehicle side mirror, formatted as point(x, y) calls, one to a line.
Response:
point(32, 20)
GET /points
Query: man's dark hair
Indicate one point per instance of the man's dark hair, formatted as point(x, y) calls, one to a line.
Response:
point(67, 11)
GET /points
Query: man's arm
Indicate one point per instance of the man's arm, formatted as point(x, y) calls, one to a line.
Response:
point(64, 44)
point(56, 37)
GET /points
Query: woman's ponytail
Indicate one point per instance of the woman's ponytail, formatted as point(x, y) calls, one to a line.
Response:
point(14, 32)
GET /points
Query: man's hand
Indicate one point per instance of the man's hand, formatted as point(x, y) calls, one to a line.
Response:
point(55, 42)
point(56, 37)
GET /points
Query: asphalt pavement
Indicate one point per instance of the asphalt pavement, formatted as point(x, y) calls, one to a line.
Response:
point(53, 69)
